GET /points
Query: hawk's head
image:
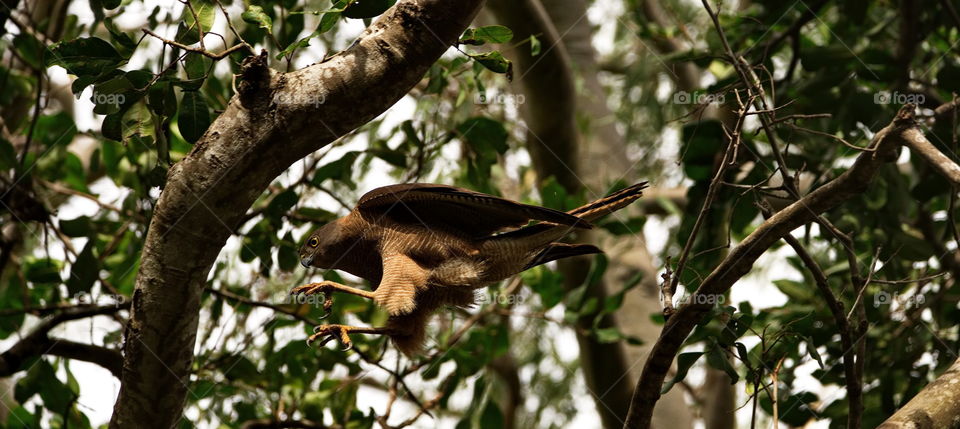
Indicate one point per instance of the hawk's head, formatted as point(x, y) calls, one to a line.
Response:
point(321, 250)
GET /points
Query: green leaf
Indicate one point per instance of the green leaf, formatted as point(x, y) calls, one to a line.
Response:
point(84, 271)
point(486, 136)
point(88, 56)
point(108, 96)
point(188, 32)
point(608, 335)
point(112, 126)
point(495, 62)
point(912, 247)
point(359, 9)
point(110, 4)
point(302, 43)
point(812, 350)
point(702, 142)
point(118, 36)
point(338, 170)
point(492, 417)
point(534, 46)
point(30, 49)
point(548, 284)
point(194, 117)
point(8, 158)
point(43, 271)
point(288, 257)
point(487, 34)
point(239, 367)
point(78, 227)
point(255, 15)
point(281, 203)
point(137, 124)
point(684, 362)
point(330, 18)
point(196, 65)
point(717, 358)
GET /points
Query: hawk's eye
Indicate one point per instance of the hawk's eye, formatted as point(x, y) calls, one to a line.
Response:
point(313, 242)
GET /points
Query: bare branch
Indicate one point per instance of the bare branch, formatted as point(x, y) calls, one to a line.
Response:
point(38, 343)
point(740, 260)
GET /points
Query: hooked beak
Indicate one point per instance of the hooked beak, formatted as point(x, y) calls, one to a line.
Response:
point(306, 261)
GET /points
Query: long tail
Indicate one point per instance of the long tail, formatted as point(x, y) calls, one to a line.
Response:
point(555, 251)
point(610, 203)
point(589, 212)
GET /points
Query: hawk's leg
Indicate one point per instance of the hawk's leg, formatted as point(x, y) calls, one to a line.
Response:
point(326, 288)
point(326, 333)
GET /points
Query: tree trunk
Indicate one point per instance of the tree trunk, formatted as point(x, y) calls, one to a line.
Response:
point(256, 138)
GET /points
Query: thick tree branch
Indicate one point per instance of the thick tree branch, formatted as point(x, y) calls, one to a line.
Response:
point(276, 119)
point(934, 407)
point(740, 260)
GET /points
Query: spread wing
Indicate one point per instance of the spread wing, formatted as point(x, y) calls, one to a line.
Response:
point(457, 210)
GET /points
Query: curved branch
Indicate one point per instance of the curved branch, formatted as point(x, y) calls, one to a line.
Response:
point(276, 119)
point(919, 145)
point(39, 343)
point(740, 260)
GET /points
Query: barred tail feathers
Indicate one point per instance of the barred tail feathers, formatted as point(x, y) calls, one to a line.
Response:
point(544, 233)
point(610, 203)
point(556, 251)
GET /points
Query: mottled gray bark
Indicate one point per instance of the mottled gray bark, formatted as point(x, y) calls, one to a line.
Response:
point(936, 406)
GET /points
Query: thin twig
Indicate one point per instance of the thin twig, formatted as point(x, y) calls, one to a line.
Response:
point(197, 50)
